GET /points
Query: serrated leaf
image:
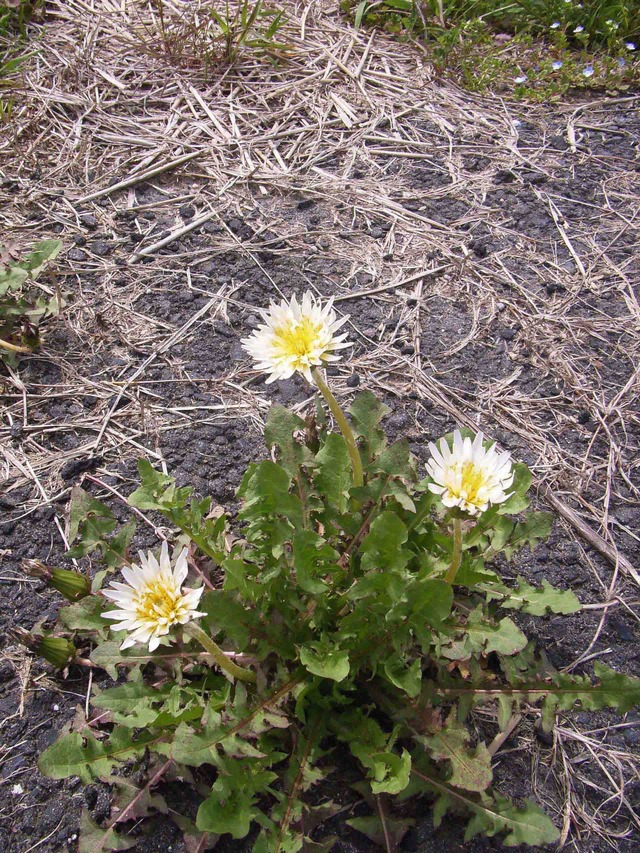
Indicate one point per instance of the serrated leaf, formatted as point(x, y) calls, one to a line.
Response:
point(85, 756)
point(326, 660)
point(334, 477)
point(95, 839)
point(227, 615)
point(42, 252)
point(406, 678)
point(132, 802)
point(267, 493)
point(526, 824)
point(533, 600)
point(470, 769)
point(479, 635)
point(558, 692)
point(278, 432)
point(396, 461)
point(312, 558)
point(231, 813)
point(85, 615)
point(382, 546)
point(156, 489)
point(85, 508)
point(137, 705)
point(367, 412)
point(492, 814)
point(11, 278)
point(393, 830)
point(109, 656)
point(535, 528)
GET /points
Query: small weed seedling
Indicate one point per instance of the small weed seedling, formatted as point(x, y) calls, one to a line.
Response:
point(22, 305)
point(353, 607)
point(215, 34)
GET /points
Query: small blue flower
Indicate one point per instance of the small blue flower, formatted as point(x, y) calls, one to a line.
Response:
point(519, 79)
point(557, 65)
point(579, 29)
point(555, 25)
point(630, 45)
point(588, 71)
point(622, 61)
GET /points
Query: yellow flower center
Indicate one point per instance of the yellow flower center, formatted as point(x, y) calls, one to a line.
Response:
point(158, 603)
point(298, 339)
point(472, 479)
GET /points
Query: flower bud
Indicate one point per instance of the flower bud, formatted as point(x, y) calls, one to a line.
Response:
point(73, 585)
point(56, 650)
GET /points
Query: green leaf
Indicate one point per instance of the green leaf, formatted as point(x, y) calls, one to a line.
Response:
point(313, 556)
point(95, 839)
point(481, 636)
point(558, 692)
point(278, 432)
point(267, 493)
point(408, 679)
point(109, 656)
point(85, 615)
point(367, 412)
point(231, 813)
point(533, 600)
point(226, 615)
point(469, 768)
point(83, 755)
point(390, 772)
point(526, 824)
point(392, 829)
point(85, 508)
point(396, 461)
point(137, 705)
point(382, 546)
point(156, 490)
point(11, 278)
point(430, 601)
point(334, 476)
point(535, 528)
point(326, 660)
point(518, 501)
point(490, 813)
point(45, 251)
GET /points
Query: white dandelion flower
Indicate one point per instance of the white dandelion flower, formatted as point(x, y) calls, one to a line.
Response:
point(152, 600)
point(468, 476)
point(296, 337)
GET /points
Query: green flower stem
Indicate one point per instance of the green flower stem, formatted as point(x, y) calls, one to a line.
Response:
point(343, 423)
point(456, 557)
point(195, 632)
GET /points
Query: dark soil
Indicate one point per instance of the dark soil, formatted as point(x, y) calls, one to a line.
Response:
point(211, 450)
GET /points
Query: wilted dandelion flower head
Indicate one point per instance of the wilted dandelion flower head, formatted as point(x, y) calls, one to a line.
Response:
point(467, 475)
point(296, 337)
point(152, 600)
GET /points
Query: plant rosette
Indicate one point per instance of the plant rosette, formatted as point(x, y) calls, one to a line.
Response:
point(359, 611)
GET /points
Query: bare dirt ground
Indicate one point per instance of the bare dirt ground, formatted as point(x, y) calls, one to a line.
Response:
point(487, 254)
